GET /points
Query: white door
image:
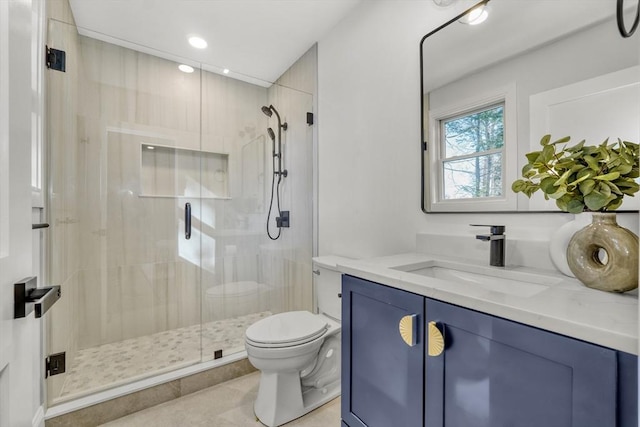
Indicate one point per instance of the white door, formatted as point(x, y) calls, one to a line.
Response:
point(19, 348)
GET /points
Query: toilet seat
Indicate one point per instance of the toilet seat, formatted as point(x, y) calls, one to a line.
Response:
point(286, 329)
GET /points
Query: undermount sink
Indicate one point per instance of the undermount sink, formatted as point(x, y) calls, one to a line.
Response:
point(511, 282)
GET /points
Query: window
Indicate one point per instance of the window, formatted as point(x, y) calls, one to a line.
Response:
point(472, 149)
point(472, 152)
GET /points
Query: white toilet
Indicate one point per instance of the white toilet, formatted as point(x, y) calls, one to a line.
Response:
point(298, 352)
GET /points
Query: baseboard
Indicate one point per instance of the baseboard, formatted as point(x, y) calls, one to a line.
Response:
point(38, 418)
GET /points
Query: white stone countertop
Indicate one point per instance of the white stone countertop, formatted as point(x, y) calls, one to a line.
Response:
point(560, 304)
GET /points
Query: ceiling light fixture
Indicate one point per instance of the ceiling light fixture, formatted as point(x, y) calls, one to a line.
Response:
point(150, 147)
point(185, 68)
point(475, 16)
point(226, 71)
point(197, 42)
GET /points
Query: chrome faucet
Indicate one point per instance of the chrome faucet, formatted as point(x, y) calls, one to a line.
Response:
point(497, 239)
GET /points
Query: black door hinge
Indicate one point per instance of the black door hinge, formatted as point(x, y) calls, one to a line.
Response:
point(56, 59)
point(55, 364)
point(424, 145)
point(310, 119)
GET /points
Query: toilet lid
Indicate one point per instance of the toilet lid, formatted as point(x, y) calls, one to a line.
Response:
point(287, 329)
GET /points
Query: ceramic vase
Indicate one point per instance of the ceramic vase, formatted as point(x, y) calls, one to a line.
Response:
point(604, 255)
point(560, 241)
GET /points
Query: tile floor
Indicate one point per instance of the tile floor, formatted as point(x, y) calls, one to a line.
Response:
point(229, 404)
point(98, 368)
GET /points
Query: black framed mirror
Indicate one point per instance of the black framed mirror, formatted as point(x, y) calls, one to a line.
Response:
point(531, 68)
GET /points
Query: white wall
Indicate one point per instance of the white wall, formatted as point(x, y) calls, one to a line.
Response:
point(369, 137)
point(369, 127)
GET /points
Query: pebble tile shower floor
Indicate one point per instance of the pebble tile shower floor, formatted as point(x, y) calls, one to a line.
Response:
point(109, 365)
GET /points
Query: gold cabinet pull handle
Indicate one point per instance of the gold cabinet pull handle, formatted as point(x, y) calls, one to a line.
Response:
point(436, 340)
point(408, 329)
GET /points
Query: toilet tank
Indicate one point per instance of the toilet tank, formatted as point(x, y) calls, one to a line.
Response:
point(328, 285)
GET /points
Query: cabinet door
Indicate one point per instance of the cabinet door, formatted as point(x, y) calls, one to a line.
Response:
point(382, 375)
point(498, 373)
point(627, 390)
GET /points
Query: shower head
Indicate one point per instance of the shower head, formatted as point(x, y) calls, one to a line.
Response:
point(271, 134)
point(267, 111)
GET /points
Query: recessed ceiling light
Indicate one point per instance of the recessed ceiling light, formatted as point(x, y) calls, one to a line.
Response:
point(476, 16)
point(226, 71)
point(197, 42)
point(185, 68)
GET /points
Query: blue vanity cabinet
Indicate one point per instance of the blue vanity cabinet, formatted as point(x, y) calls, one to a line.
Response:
point(490, 371)
point(627, 390)
point(498, 373)
point(382, 375)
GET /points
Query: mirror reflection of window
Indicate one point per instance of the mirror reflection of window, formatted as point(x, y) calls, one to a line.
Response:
point(472, 152)
point(574, 76)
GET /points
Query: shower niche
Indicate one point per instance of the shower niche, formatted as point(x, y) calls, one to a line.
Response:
point(181, 172)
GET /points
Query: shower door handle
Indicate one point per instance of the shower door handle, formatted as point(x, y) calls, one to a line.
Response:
point(187, 221)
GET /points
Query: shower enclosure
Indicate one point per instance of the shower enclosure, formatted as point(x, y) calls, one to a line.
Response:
point(134, 145)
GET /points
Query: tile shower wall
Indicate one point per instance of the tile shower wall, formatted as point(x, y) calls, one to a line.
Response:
point(118, 254)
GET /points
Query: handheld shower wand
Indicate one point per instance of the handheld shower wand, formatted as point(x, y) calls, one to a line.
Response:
point(276, 153)
point(268, 111)
point(272, 136)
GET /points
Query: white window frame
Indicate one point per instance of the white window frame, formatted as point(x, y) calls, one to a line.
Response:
point(508, 201)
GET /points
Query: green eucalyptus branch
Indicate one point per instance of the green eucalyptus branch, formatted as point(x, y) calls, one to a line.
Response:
point(581, 178)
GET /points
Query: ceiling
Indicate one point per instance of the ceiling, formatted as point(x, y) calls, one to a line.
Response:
point(257, 40)
point(512, 28)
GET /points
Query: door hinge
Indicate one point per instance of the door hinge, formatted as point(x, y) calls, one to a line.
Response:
point(56, 59)
point(310, 119)
point(424, 145)
point(55, 364)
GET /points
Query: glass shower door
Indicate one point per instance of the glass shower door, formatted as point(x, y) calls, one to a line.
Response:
point(125, 187)
point(247, 276)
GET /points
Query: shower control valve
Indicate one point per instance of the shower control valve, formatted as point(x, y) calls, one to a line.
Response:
point(283, 220)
